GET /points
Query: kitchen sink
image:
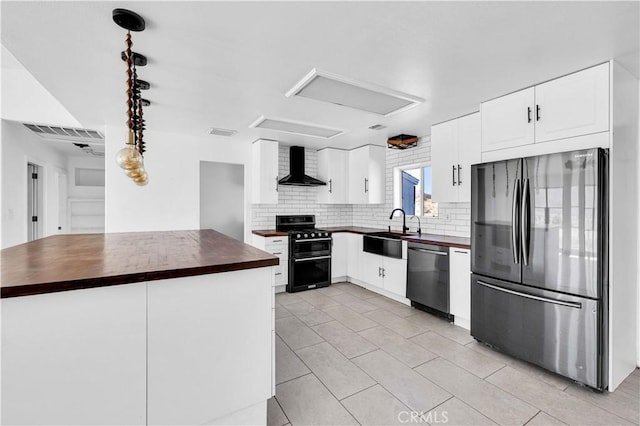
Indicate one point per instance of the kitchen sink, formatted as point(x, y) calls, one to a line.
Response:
point(383, 243)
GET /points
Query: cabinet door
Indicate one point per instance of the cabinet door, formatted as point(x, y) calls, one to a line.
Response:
point(575, 105)
point(332, 169)
point(339, 255)
point(376, 179)
point(358, 175)
point(468, 153)
point(265, 172)
point(372, 265)
point(444, 159)
point(508, 121)
point(395, 276)
point(354, 246)
point(460, 286)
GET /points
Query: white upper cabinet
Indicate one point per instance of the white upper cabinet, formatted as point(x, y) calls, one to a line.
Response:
point(574, 105)
point(332, 169)
point(367, 175)
point(265, 172)
point(455, 145)
point(577, 104)
point(508, 121)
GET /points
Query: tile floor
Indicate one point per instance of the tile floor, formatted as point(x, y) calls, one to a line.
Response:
point(345, 355)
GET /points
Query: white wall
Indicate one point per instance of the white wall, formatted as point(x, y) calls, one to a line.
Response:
point(24, 99)
point(171, 199)
point(222, 198)
point(20, 146)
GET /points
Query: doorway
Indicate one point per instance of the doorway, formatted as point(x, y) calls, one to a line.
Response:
point(35, 219)
point(222, 198)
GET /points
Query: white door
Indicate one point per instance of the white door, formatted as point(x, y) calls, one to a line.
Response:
point(468, 153)
point(265, 172)
point(358, 175)
point(339, 257)
point(508, 121)
point(354, 246)
point(395, 276)
point(575, 105)
point(444, 160)
point(372, 269)
point(376, 182)
point(332, 169)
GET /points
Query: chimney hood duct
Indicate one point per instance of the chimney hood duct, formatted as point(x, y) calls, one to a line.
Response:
point(296, 170)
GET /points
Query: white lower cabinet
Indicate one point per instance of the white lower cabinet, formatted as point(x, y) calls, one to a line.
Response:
point(277, 246)
point(460, 286)
point(339, 256)
point(382, 274)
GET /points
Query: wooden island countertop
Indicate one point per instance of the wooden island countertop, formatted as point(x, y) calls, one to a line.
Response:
point(72, 262)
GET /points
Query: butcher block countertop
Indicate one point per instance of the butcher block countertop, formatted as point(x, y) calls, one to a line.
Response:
point(441, 240)
point(72, 262)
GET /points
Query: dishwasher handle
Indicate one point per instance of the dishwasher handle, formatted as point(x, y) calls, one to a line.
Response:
point(421, 250)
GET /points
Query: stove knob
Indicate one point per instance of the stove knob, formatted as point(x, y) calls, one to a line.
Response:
point(313, 235)
point(306, 235)
point(298, 236)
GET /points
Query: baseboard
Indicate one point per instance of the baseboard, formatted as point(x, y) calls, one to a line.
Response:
point(280, 288)
point(338, 279)
point(462, 322)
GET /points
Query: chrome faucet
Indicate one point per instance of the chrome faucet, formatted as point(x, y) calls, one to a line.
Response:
point(419, 226)
point(405, 228)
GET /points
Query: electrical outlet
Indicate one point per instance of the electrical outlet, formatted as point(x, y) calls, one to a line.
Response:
point(447, 217)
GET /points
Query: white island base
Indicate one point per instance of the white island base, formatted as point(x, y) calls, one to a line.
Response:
point(193, 350)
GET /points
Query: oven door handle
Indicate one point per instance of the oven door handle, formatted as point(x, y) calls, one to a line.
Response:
point(308, 259)
point(311, 240)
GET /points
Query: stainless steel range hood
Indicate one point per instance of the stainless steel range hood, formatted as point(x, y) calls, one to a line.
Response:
point(296, 170)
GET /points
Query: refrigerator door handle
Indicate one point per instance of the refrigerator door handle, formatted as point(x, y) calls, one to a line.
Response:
point(515, 222)
point(525, 221)
point(531, 296)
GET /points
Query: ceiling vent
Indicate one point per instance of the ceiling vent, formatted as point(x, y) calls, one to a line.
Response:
point(295, 127)
point(66, 133)
point(377, 127)
point(222, 132)
point(339, 90)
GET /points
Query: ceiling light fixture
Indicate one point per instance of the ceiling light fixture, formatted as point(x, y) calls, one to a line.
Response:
point(295, 127)
point(131, 157)
point(336, 89)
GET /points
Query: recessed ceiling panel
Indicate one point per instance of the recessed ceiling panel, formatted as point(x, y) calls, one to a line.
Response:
point(335, 89)
point(296, 127)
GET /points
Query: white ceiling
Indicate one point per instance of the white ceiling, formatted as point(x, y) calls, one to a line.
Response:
point(224, 64)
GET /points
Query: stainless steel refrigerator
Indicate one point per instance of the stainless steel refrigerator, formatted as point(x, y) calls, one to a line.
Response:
point(539, 261)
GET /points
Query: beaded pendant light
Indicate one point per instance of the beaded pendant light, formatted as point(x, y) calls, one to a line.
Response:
point(131, 157)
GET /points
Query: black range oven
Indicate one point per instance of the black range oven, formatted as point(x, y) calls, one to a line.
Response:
point(309, 252)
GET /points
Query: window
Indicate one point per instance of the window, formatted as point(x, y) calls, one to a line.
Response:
point(413, 191)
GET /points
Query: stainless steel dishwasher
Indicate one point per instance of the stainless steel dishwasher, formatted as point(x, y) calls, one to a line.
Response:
point(428, 277)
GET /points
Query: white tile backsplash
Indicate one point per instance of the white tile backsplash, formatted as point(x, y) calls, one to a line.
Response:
point(454, 218)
